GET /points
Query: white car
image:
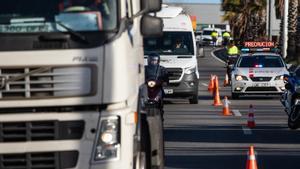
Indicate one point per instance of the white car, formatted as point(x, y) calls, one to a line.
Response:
point(258, 73)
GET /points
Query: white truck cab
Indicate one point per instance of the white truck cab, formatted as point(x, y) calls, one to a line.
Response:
point(177, 49)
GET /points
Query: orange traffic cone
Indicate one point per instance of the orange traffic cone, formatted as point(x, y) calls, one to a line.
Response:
point(217, 100)
point(226, 80)
point(226, 110)
point(251, 120)
point(211, 85)
point(251, 161)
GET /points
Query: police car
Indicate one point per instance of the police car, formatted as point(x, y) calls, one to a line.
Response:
point(258, 71)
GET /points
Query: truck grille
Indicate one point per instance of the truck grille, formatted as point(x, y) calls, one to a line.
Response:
point(49, 160)
point(261, 79)
point(174, 73)
point(38, 83)
point(41, 130)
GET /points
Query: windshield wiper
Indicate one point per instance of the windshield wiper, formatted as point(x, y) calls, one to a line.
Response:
point(77, 35)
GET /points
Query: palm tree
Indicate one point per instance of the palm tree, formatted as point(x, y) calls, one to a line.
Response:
point(247, 18)
point(292, 28)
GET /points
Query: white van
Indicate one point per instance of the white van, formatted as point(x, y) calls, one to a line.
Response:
point(180, 61)
point(206, 38)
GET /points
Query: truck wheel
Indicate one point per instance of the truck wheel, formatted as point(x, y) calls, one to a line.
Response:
point(194, 99)
point(145, 143)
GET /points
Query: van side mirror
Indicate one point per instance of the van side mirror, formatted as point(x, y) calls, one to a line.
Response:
point(151, 5)
point(151, 26)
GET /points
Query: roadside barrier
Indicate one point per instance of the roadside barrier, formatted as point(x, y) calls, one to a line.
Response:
point(251, 161)
point(226, 109)
point(251, 119)
point(217, 100)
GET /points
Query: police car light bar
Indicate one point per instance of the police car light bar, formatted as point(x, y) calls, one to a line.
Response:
point(258, 50)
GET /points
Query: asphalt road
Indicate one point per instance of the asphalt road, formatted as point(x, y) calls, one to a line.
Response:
point(200, 137)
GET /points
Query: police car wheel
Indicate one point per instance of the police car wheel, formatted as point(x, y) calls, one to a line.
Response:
point(235, 95)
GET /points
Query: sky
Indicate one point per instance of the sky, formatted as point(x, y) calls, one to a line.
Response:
point(194, 1)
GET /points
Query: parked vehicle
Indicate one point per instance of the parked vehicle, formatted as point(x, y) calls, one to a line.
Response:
point(71, 82)
point(177, 48)
point(259, 73)
point(206, 38)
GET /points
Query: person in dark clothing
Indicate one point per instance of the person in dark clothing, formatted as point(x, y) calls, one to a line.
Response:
point(154, 69)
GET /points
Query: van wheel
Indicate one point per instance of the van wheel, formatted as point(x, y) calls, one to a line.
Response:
point(194, 99)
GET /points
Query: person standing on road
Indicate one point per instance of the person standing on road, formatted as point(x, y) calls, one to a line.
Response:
point(232, 55)
point(214, 36)
point(226, 38)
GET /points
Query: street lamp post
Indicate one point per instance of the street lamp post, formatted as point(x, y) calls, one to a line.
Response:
point(285, 29)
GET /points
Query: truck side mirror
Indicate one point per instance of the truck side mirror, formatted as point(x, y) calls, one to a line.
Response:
point(151, 5)
point(151, 26)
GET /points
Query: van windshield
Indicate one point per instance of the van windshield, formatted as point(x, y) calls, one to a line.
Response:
point(171, 43)
point(34, 16)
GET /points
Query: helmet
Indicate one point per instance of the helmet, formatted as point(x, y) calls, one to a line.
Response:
point(153, 59)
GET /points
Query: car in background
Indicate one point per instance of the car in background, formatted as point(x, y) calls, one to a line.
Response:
point(206, 38)
point(259, 73)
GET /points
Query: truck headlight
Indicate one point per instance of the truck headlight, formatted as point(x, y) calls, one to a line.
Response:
point(190, 70)
point(240, 77)
point(280, 77)
point(108, 140)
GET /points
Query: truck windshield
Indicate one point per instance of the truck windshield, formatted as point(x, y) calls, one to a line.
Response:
point(260, 62)
point(34, 16)
point(171, 43)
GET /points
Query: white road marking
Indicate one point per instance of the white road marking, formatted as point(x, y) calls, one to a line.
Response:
point(204, 84)
point(212, 53)
point(237, 113)
point(247, 131)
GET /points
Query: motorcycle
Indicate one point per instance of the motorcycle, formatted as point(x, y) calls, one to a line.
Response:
point(154, 109)
point(155, 94)
point(291, 100)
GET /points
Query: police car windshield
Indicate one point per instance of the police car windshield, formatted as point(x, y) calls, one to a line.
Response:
point(260, 62)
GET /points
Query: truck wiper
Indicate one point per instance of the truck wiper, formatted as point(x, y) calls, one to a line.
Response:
point(77, 35)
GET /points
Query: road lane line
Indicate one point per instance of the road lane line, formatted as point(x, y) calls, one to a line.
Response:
point(204, 84)
point(247, 131)
point(237, 113)
point(212, 53)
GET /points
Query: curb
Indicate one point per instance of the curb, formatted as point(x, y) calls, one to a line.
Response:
point(213, 55)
